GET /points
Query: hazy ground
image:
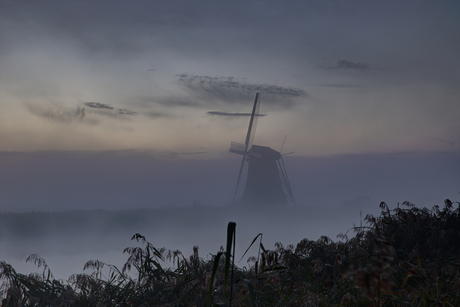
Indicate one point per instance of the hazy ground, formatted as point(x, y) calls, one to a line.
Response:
point(52, 199)
point(66, 240)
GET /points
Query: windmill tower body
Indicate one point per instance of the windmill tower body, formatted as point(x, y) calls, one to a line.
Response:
point(263, 183)
point(266, 183)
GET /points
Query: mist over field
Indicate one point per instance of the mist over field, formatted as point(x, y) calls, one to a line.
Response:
point(114, 180)
point(93, 213)
point(68, 239)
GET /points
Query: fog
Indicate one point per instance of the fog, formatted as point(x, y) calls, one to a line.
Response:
point(71, 207)
point(57, 181)
point(67, 240)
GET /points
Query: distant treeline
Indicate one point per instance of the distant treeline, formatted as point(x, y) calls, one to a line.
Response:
point(74, 222)
point(37, 224)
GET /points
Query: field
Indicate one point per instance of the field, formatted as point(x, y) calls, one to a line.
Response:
point(406, 256)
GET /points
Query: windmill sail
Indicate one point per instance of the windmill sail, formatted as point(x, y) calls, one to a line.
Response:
point(267, 181)
point(240, 148)
point(237, 148)
point(285, 181)
point(253, 122)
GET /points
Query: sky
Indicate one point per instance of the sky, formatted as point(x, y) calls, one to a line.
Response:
point(117, 104)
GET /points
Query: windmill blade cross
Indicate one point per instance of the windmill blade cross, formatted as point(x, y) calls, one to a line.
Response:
point(253, 122)
point(249, 139)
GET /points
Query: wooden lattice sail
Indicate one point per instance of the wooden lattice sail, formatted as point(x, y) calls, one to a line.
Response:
point(267, 182)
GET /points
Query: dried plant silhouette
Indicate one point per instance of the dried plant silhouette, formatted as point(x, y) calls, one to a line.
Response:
point(407, 256)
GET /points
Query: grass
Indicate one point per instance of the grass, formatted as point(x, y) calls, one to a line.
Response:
point(407, 256)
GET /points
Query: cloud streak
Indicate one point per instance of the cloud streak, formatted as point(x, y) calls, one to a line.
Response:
point(341, 85)
point(347, 64)
point(442, 141)
point(219, 113)
point(63, 115)
point(80, 114)
point(98, 105)
point(232, 90)
point(125, 112)
point(231, 83)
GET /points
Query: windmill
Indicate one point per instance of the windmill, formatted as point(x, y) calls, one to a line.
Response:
point(267, 181)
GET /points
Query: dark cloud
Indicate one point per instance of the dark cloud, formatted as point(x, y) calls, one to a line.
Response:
point(126, 112)
point(442, 141)
point(231, 90)
point(172, 101)
point(352, 65)
point(219, 113)
point(232, 83)
point(98, 105)
point(341, 85)
point(79, 114)
point(169, 99)
point(347, 64)
point(107, 110)
point(155, 114)
point(62, 115)
point(115, 113)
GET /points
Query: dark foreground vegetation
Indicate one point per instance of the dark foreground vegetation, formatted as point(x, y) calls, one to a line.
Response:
point(407, 256)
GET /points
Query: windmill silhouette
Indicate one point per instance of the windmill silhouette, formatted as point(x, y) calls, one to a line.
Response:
point(267, 182)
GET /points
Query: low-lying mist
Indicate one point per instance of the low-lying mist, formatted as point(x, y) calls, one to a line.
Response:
point(68, 239)
point(71, 207)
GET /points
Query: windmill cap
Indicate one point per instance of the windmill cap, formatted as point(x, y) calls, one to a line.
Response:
point(264, 152)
